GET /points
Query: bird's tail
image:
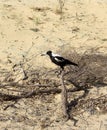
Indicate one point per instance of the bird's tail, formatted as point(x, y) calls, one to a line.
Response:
point(72, 63)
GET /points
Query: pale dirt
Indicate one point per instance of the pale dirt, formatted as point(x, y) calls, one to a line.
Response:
point(84, 26)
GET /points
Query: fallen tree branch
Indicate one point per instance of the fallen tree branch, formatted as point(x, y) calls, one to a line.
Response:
point(12, 84)
point(8, 97)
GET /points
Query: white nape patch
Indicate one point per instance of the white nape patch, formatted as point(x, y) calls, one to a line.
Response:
point(55, 55)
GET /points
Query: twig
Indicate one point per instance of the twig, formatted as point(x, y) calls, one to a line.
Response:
point(10, 105)
point(61, 6)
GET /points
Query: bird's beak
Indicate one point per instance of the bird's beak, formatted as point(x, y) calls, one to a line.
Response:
point(43, 54)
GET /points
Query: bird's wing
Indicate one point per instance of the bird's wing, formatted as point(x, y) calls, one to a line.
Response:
point(59, 59)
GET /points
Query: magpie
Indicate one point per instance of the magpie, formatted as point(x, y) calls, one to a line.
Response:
point(59, 60)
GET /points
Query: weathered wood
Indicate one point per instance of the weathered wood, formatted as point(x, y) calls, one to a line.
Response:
point(64, 97)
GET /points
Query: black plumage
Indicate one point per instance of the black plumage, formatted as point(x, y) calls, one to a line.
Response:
point(60, 61)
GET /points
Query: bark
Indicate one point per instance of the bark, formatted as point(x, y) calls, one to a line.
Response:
point(64, 97)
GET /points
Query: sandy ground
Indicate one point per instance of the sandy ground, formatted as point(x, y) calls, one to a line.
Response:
point(28, 30)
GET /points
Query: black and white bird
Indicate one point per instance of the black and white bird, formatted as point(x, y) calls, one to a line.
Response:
point(59, 60)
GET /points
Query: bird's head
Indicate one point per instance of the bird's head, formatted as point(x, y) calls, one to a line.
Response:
point(47, 53)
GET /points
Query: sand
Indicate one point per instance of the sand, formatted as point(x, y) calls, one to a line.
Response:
point(31, 27)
